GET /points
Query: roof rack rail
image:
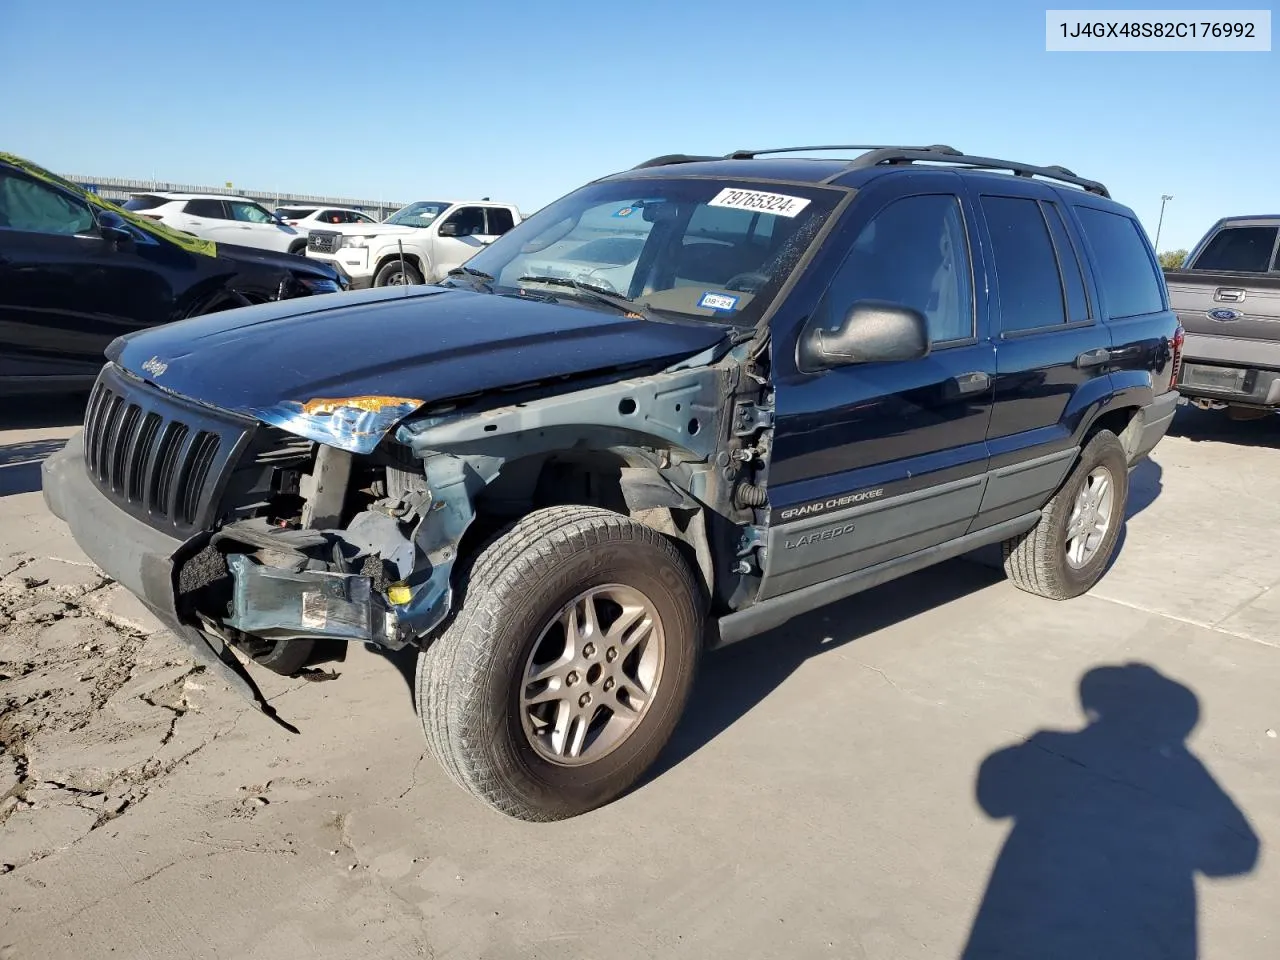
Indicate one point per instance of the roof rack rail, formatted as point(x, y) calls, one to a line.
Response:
point(750, 154)
point(669, 158)
point(888, 156)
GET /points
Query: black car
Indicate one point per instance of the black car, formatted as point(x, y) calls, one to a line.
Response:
point(76, 271)
point(673, 409)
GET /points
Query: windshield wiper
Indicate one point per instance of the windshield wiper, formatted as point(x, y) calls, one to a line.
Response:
point(598, 294)
point(480, 278)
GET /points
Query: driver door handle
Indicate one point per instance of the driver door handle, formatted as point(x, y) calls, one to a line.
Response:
point(975, 382)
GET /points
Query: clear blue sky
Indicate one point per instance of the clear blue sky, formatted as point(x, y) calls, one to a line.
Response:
point(419, 99)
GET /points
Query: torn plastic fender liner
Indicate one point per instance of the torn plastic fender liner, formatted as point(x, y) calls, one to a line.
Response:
point(355, 424)
point(278, 604)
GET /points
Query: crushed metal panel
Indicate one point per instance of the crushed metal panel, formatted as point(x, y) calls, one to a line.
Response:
point(680, 409)
point(454, 482)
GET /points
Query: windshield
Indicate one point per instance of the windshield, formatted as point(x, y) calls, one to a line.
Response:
point(697, 248)
point(419, 214)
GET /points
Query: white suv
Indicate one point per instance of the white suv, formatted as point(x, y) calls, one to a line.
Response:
point(231, 220)
point(313, 217)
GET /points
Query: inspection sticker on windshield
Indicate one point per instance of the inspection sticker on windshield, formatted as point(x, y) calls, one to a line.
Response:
point(718, 301)
point(778, 204)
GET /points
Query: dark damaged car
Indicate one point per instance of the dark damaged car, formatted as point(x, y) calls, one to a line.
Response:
point(77, 271)
point(673, 409)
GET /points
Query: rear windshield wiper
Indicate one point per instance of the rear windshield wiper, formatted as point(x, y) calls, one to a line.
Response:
point(598, 294)
point(481, 280)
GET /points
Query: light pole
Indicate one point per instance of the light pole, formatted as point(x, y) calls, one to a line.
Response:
point(1164, 198)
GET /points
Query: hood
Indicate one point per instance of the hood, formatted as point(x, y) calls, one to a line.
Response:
point(280, 261)
point(366, 229)
point(344, 368)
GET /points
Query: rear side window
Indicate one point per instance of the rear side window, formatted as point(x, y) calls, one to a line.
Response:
point(1128, 278)
point(144, 202)
point(500, 220)
point(1240, 250)
point(1031, 294)
point(205, 208)
point(294, 213)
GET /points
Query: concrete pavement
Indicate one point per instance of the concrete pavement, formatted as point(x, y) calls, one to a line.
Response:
point(823, 796)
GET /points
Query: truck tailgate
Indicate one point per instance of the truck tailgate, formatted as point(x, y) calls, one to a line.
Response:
point(1247, 305)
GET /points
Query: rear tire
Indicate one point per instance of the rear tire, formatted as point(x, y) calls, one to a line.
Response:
point(547, 732)
point(1070, 547)
point(392, 275)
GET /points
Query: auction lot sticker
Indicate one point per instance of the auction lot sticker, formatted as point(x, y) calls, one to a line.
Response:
point(757, 201)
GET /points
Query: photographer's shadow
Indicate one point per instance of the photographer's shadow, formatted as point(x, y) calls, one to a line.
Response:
point(1111, 824)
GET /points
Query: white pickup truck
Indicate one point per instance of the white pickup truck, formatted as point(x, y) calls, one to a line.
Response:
point(418, 243)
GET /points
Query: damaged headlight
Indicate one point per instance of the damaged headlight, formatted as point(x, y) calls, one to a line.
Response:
point(355, 424)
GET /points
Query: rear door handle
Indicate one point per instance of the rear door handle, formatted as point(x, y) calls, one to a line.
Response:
point(973, 382)
point(1093, 358)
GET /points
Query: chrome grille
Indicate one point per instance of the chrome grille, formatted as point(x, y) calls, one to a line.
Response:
point(161, 459)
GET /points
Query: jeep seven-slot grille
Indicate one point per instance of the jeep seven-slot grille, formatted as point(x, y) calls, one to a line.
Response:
point(159, 458)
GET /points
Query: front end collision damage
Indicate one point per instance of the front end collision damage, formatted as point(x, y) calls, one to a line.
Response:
point(385, 577)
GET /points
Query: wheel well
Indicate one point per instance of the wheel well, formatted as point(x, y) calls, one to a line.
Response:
point(298, 245)
point(1122, 422)
point(411, 258)
point(579, 478)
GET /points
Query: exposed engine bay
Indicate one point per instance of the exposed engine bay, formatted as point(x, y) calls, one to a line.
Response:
point(319, 544)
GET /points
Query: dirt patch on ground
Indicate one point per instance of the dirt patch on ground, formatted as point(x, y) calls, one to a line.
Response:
point(91, 706)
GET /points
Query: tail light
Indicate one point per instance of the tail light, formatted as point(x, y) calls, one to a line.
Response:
point(1176, 343)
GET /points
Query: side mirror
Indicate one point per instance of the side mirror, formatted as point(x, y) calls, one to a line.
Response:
point(448, 229)
point(873, 331)
point(112, 228)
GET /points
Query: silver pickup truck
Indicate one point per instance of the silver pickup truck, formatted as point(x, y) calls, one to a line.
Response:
point(1227, 297)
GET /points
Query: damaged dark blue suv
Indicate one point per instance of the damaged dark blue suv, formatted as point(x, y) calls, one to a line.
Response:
point(671, 410)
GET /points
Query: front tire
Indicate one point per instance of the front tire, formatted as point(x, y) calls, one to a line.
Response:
point(394, 273)
point(568, 665)
point(1070, 547)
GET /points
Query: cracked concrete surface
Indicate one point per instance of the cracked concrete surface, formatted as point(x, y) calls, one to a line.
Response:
point(818, 800)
